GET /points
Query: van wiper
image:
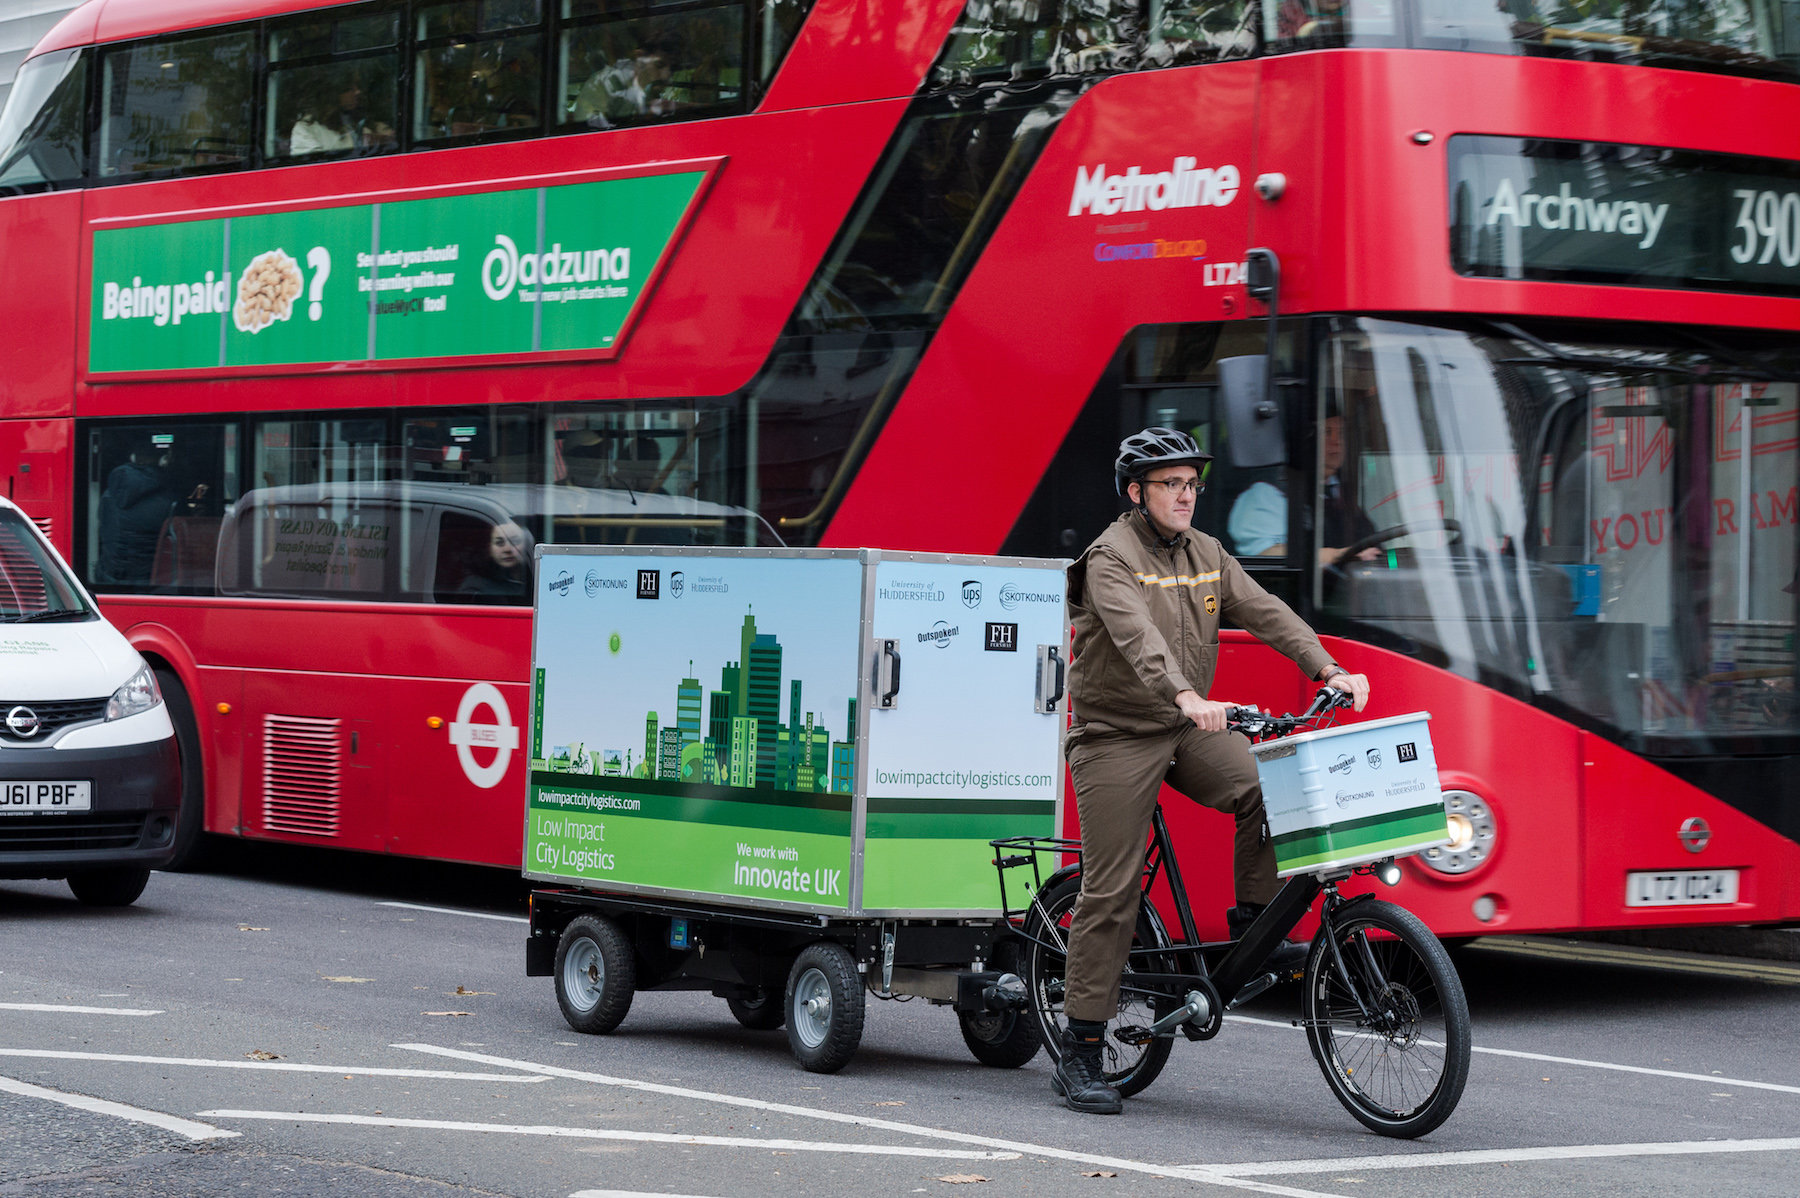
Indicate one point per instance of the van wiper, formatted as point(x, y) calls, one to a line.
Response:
point(41, 617)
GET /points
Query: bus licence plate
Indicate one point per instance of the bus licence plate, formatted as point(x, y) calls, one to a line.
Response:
point(1681, 887)
point(20, 798)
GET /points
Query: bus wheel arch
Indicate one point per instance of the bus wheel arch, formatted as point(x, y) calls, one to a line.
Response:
point(190, 821)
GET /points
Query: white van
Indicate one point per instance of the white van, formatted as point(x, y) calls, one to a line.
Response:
point(90, 778)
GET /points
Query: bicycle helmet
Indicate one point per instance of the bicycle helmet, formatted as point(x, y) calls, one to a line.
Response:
point(1156, 446)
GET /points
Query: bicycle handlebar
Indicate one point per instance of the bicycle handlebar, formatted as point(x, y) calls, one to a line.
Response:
point(1260, 725)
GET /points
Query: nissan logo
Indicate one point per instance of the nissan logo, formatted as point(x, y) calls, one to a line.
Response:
point(23, 722)
point(1694, 834)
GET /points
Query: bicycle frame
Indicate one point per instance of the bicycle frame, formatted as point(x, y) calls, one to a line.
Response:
point(1235, 964)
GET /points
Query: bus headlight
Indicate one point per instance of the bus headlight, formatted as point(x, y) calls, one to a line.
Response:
point(138, 695)
point(1472, 835)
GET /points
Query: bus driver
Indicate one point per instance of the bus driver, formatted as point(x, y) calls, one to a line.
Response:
point(1146, 599)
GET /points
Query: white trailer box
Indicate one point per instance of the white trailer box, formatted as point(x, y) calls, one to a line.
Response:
point(834, 731)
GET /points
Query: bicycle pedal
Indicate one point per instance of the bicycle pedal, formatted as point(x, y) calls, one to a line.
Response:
point(1134, 1035)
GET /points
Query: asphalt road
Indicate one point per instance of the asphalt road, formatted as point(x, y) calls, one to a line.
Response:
point(318, 1024)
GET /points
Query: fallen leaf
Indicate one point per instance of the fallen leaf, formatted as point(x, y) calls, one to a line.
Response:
point(329, 978)
point(962, 1179)
point(244, 927)
point(446, 1012)
point(460, 990)
point(1100, 1173)
point(887, 1104)
point(263, 1054)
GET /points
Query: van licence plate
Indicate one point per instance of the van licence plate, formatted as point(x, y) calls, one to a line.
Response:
point(1681, 887)
point(20, 798)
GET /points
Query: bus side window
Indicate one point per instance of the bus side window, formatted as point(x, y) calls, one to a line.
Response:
point(479, 68)
point(155, 498)
point(177, 106)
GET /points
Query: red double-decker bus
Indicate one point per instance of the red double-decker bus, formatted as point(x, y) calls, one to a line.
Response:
point(317, 318)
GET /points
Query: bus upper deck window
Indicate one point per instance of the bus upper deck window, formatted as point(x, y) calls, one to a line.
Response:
point(177, 106)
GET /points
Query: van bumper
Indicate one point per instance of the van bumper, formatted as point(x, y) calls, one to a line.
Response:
point(136, 797)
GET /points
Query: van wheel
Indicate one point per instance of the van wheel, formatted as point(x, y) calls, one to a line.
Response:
point(190, 821)
point(115, 887)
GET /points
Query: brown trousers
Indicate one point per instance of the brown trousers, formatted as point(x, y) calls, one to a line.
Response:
point(1117, 777)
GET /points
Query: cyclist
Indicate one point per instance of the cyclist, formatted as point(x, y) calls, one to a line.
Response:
point(1147, 597)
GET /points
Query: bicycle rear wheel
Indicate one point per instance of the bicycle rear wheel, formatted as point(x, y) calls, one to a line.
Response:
point(1390, 1032)
point(1130, 1067)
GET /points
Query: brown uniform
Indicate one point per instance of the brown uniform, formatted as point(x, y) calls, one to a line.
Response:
point(1147, 628)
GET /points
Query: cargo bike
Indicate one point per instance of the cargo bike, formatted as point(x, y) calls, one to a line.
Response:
point(1381, 1004)
point(731, 791)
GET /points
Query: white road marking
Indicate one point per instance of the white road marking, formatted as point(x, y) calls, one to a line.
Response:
point(454, 911)
point(99, 1106)
point(1199, 1173)
point(1709, 1078)
point(600, 1133)
point(269, 1066)
point(68, 1010)
point(1495, 1156)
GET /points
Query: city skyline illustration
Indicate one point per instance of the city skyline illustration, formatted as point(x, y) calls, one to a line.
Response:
point(732, 734)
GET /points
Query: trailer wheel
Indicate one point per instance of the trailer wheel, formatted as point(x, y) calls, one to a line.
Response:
point(758, 1009)
point(824, 1007)
point(595, 975)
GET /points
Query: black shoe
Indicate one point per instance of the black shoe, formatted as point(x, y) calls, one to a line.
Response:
point(1081, 1079)
point(1289, 956)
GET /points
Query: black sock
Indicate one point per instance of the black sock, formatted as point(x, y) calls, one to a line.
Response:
point(1086, 1030)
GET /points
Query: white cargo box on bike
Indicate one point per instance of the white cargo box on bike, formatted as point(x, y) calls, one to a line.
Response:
point(1343, 796)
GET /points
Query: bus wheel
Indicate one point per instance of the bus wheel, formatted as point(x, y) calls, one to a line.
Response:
point(824, 1007)
point(595, 975)
point(190, 821)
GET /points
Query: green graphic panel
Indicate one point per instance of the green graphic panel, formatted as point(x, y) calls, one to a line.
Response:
point(294, 293)
point(614, 847)
point(429, 303)
point(935, 856)
point(930, 875)
point(160, 297)
point(593, 284)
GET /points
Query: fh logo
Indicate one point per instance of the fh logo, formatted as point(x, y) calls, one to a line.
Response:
point(649, 584)
point(1002, 638)
point(1408, 751)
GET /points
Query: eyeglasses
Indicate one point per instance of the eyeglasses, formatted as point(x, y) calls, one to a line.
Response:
point(1177, 486)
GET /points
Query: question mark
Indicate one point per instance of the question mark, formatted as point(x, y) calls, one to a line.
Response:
point(319, 258)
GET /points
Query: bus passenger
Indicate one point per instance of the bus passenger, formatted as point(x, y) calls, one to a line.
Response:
point(628, 88)
point(1146, 600)
point(505, 571)
point(332, 120)
point(136, 500)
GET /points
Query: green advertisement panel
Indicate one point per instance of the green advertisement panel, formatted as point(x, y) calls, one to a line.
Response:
point(525, 270)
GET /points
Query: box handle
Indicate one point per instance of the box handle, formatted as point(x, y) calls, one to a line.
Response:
point(887, 676)
point(1051, 672)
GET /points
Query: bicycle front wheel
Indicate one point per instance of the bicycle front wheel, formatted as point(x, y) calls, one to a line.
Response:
point(1130, 1067)
point(1390, 1028)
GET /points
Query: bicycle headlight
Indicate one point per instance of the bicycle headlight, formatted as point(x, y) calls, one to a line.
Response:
point(138, 695)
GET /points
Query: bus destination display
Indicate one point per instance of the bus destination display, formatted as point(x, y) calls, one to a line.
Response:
point(1640, 215)
point(528, 270)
